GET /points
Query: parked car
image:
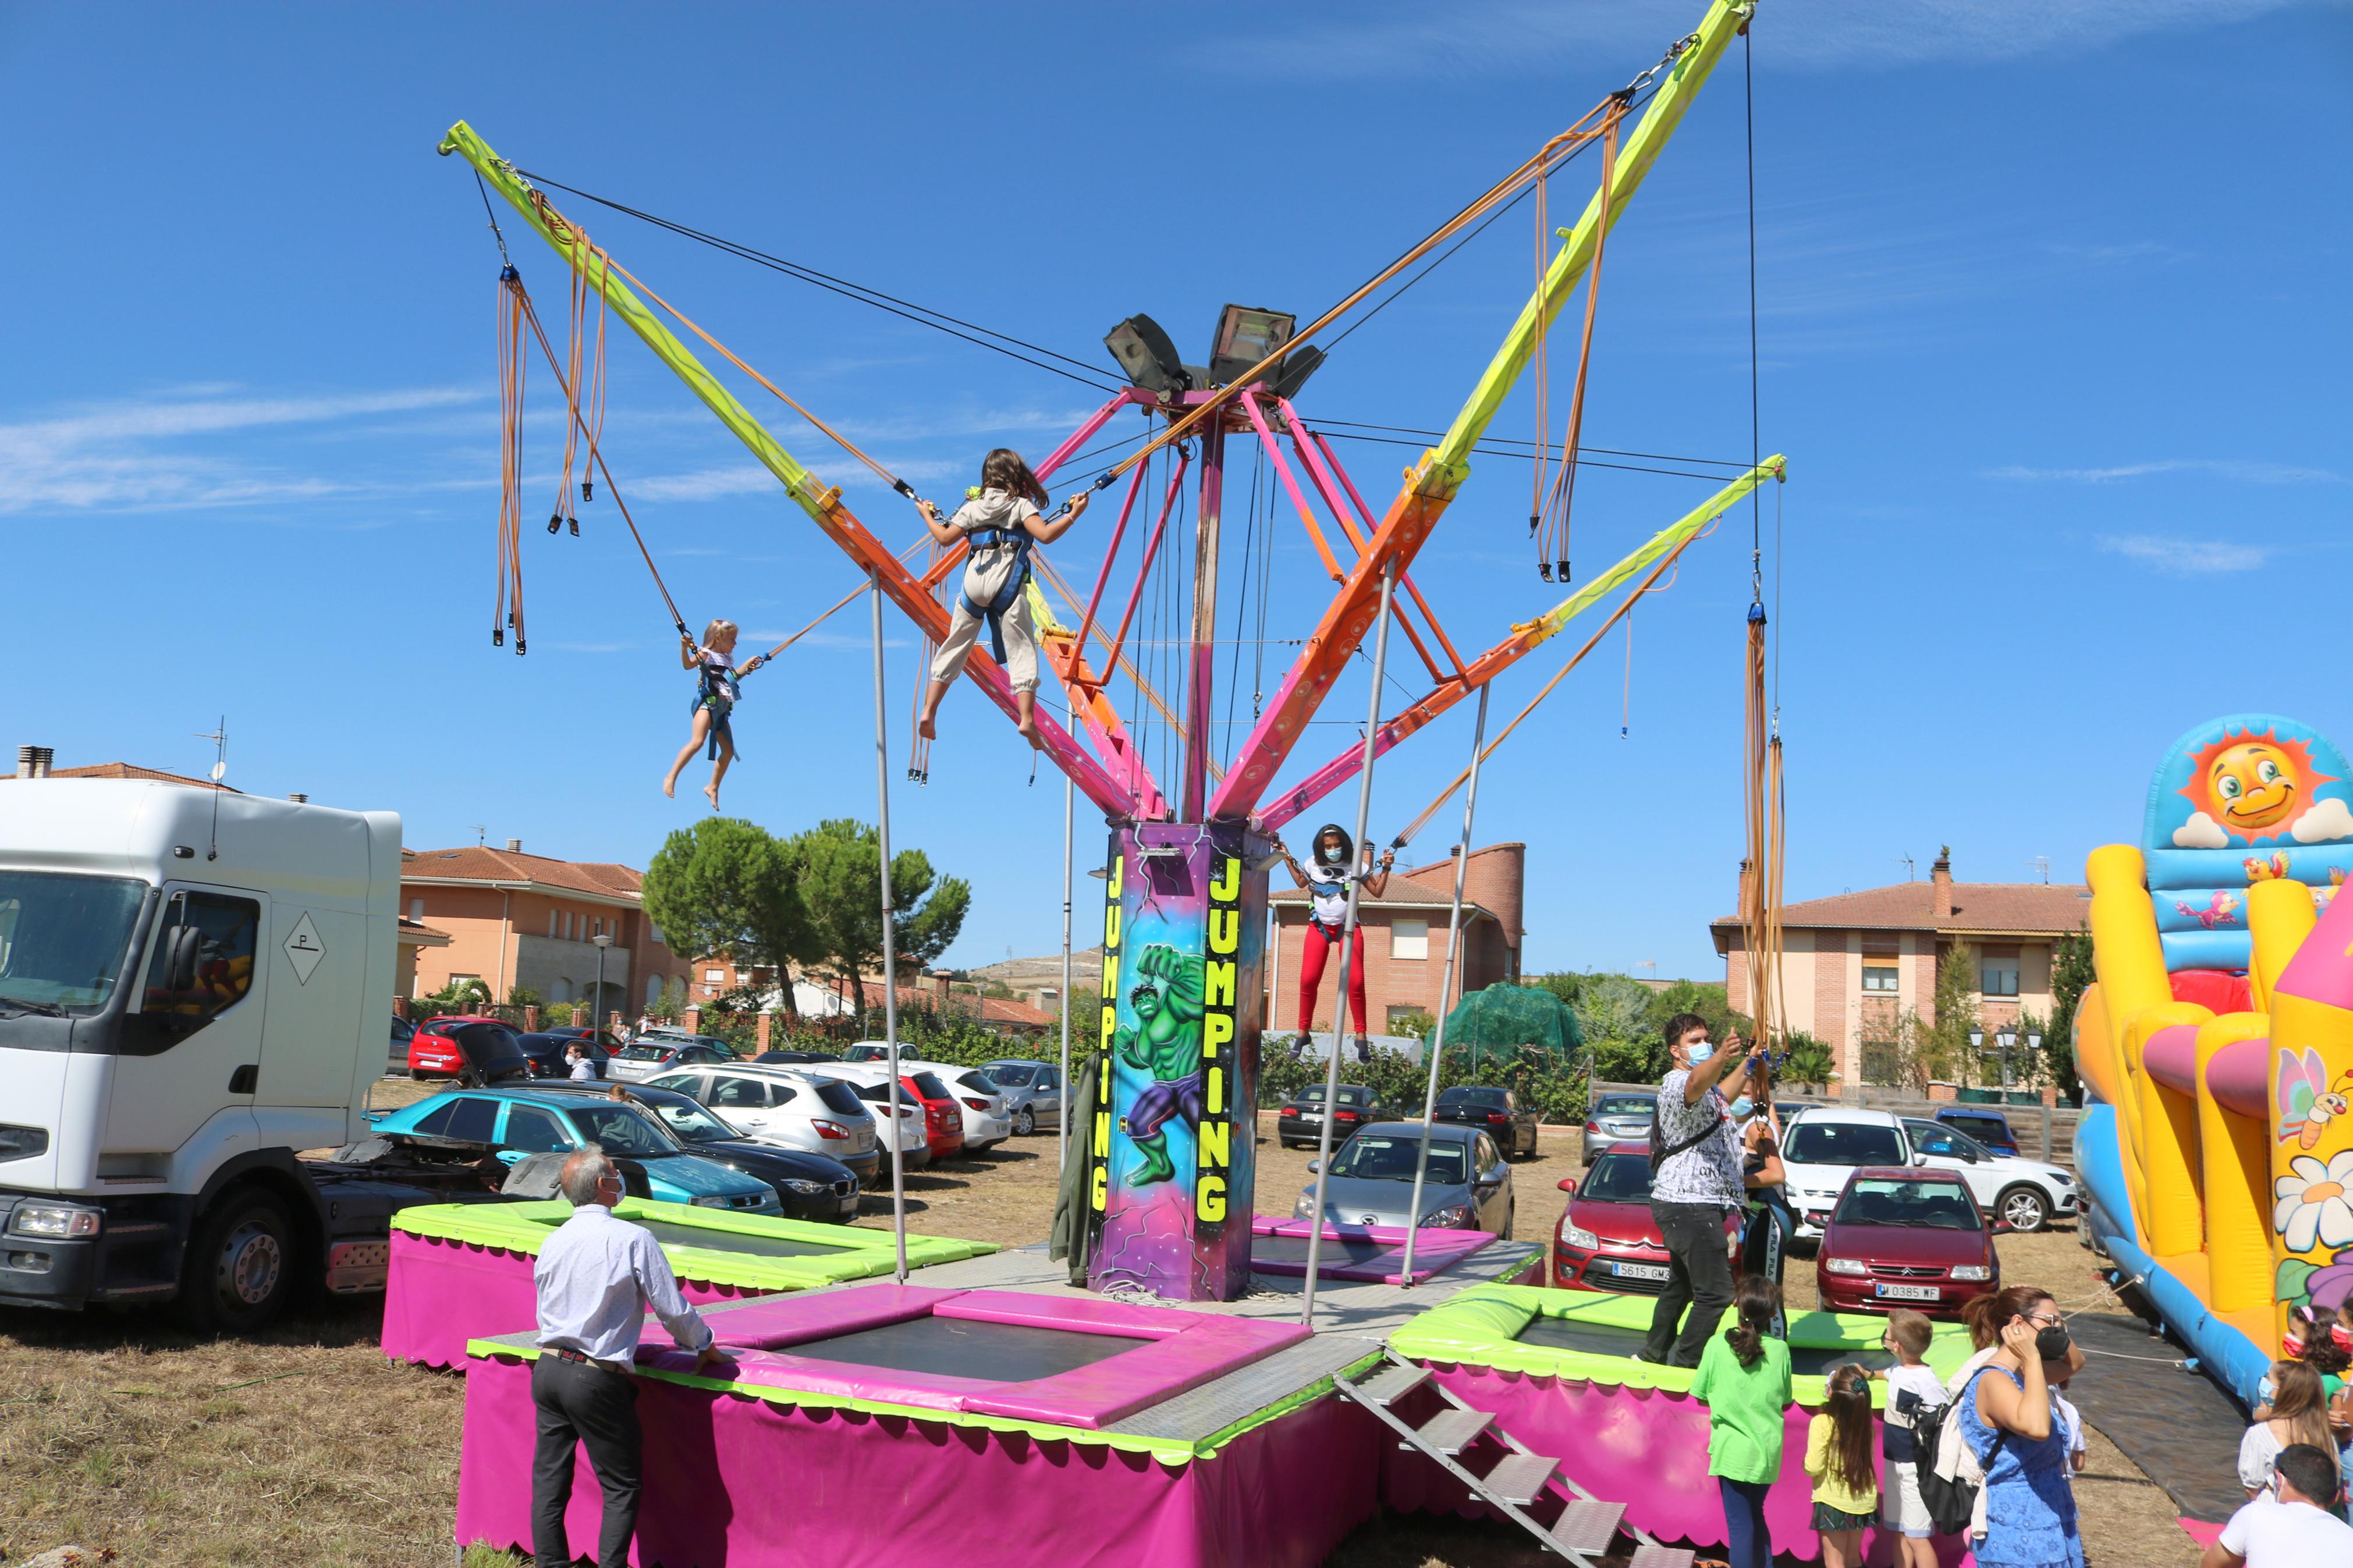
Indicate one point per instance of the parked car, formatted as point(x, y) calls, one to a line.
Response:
point(1905, 1236)
point(1988, 1127)
point(1468, 1186)
point(1616, 1116)
point(549, 1056)
point(1301, 1119)
point(2021, 1193)
point(1606, 1238)
point(1032, 1091)
point(1510, 1124)
point(870, 1051)
point(1821, 1148)
point(937, 1120)
point(534, 1120)
point(808, 1186)
point(470, 1050)
point(981, 1113)
point(786, 1058)
point(647, 1055)
point(403, 1031)
point(778, 1105)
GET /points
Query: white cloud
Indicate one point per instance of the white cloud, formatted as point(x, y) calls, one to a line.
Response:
point(2248, 471)
point(2185, 557)
point(1522, 37)
point(708, 484)
point(2328, 819)
point(2201, 832)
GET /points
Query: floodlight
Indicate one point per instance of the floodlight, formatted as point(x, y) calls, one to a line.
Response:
point(1244, 337)
point(1148, 356)
point(1293, 373)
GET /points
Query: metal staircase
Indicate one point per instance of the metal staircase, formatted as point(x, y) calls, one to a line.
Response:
point(1513, 1481)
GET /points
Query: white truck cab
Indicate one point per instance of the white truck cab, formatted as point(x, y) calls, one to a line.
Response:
point(195, 987)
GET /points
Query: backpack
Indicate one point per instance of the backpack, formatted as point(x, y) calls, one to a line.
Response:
point(1950, 1500)
point(1660, 1156)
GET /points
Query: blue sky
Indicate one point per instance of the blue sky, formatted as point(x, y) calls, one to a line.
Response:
point(2052, 319)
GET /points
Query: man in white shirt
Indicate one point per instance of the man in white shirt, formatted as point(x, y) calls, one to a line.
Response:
point(1695, 1180)
point(2292, 1528)
point(596, 1277)
point(584, 1070)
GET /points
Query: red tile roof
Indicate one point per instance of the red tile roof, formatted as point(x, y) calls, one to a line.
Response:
point(417, 933)
point(480, 863)
point(2026, 908)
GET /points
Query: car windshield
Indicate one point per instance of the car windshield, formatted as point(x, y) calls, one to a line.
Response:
point(1979, 1127)
point(647, 1053)
point(1393, 1159)
point(63, 939)
point(690, 1123)
point(1814, 1142)
point(1929, 1205)
point(1939, 1138)
point(929, 1086)
point(1617, 1179)
point(620, 1129)
point(1012, 1075)
point(978, 1082)
point(838, 1097)
point(1625, 1105)
point(1472, 1097)
point(1350, 1094)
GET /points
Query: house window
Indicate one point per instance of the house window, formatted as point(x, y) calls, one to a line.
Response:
point(553, 930)
point(717, 976)
point(417, 908)
point(1398, 1013)
point(654, 986)
point(1408, 939)
point(654, 931)
point(1999, 976)
point(1880, 978)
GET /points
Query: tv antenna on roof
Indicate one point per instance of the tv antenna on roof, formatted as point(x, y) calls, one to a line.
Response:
point(480, 829)
point(218, 736)
point(2042, 864)
point(1908, 871)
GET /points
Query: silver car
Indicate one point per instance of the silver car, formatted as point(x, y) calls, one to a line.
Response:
point(1616, 1116)
point(1468, 1186)
point(1033, 1089)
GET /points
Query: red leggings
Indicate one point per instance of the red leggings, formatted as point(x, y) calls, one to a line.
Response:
point(1320, 943)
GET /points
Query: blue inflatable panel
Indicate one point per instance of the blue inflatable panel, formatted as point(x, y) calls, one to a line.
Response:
point(2228, 1357)
point(2228, 951)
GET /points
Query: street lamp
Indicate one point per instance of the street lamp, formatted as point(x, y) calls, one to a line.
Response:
point(597, 1006)
point(1976, 1047)
point(2007, 1038)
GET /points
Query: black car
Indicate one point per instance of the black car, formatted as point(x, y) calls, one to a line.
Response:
point(1511, 1124)
point(1302, 1117)
point(789, 1058)
point(810, 1186)
point(492, 1053)
point(546, 1051)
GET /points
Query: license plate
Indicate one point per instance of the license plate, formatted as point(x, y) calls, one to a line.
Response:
point(1654, 1271)
point(1311, 1116)
point(1907, 1292)
point(849, 1206)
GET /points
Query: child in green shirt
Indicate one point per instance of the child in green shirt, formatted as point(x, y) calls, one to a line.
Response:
point(1744, 1380)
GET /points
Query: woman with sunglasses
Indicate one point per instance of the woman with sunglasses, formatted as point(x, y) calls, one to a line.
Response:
point(2005, 1417)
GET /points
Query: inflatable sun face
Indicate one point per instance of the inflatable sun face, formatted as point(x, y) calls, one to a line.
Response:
point(2255, 784)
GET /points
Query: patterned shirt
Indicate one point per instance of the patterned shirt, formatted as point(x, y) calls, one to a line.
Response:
point(1709, 1170)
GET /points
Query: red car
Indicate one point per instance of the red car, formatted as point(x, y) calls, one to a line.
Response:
point(1905, 1235)
point(943, 1119)
point(433, 1054)
point(1606, 1239)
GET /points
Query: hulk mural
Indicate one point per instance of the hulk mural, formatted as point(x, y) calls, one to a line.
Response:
point(1166, 1046)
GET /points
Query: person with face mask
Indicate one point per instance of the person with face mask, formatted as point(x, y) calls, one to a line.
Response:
point(2008, 1421)
point(1326, 884)
point(1695, 1182)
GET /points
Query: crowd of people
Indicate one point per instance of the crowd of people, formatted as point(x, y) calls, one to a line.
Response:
point(1992, 1450)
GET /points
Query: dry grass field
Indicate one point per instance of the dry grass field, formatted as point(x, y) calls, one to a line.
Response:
point(304, 1447)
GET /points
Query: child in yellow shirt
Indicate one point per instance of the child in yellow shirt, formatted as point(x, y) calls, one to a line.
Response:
point(1839, 1461)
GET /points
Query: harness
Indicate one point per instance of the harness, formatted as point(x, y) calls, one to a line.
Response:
point(1019, 541)
point(715, 689)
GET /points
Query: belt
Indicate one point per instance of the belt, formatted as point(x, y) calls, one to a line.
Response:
point(565, 1352)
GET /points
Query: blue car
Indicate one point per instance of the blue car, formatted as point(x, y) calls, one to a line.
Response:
point(1987, 1125)
point(520, 1122)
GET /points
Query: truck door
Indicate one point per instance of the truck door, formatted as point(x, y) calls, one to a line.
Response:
point(317, 960)
point(193, 1045)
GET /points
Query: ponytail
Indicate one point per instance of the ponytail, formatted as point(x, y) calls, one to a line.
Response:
point(1986, 1314)
point(1757, 1301)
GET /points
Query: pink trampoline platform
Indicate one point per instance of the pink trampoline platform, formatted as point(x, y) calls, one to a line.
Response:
point(1365, 1253)
point(900, 1424)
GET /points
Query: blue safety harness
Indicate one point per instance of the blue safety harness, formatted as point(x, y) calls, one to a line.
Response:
point(715, 689)
point(995, 611)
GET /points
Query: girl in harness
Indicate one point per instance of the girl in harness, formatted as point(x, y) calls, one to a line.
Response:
point(715, 695)
point(1001, 524)
point(1327, 897)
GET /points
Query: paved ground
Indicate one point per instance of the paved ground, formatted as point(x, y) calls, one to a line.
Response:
point(302, 1446)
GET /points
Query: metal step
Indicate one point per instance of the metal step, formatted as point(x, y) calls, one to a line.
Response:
point(1392, 1382)
point(1453, 1429)
point(1519, 1480)
point(1653, 1556)
point(1588, 1525)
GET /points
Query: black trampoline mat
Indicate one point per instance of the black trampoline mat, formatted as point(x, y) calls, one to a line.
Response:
point(674, 1234)
point(1609, 1338)
point(1336, 1250)
point(962, 1347)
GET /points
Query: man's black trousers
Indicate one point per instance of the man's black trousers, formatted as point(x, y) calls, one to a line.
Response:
point(1699, 1274)
point(587, 1405)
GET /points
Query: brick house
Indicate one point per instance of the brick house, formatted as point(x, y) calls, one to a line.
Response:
point(514, 919)
point(1853, 964)
point(1405, 939)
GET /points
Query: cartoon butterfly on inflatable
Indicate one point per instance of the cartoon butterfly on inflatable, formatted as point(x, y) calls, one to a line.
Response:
point(2308, 1102)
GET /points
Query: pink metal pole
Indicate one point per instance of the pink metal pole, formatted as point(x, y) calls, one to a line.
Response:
point(1199, 710)
point(1151, 548)
point(1095, 600)
point(1061, 453)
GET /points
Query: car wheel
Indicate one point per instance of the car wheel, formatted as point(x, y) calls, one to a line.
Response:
point(1025, 1122)
point(2024, 1209)
point(240, 1267)
point(419, 1074)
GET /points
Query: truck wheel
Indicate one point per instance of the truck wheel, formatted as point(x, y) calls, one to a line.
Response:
point(239, 1269)
point(2024, 1208)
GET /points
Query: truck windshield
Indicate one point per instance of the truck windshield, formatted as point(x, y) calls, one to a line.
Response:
point(64, 940)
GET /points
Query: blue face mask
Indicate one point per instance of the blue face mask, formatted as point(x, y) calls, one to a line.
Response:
point(1742, 1109)
point(1701, 1052)
point(2266, 1390)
